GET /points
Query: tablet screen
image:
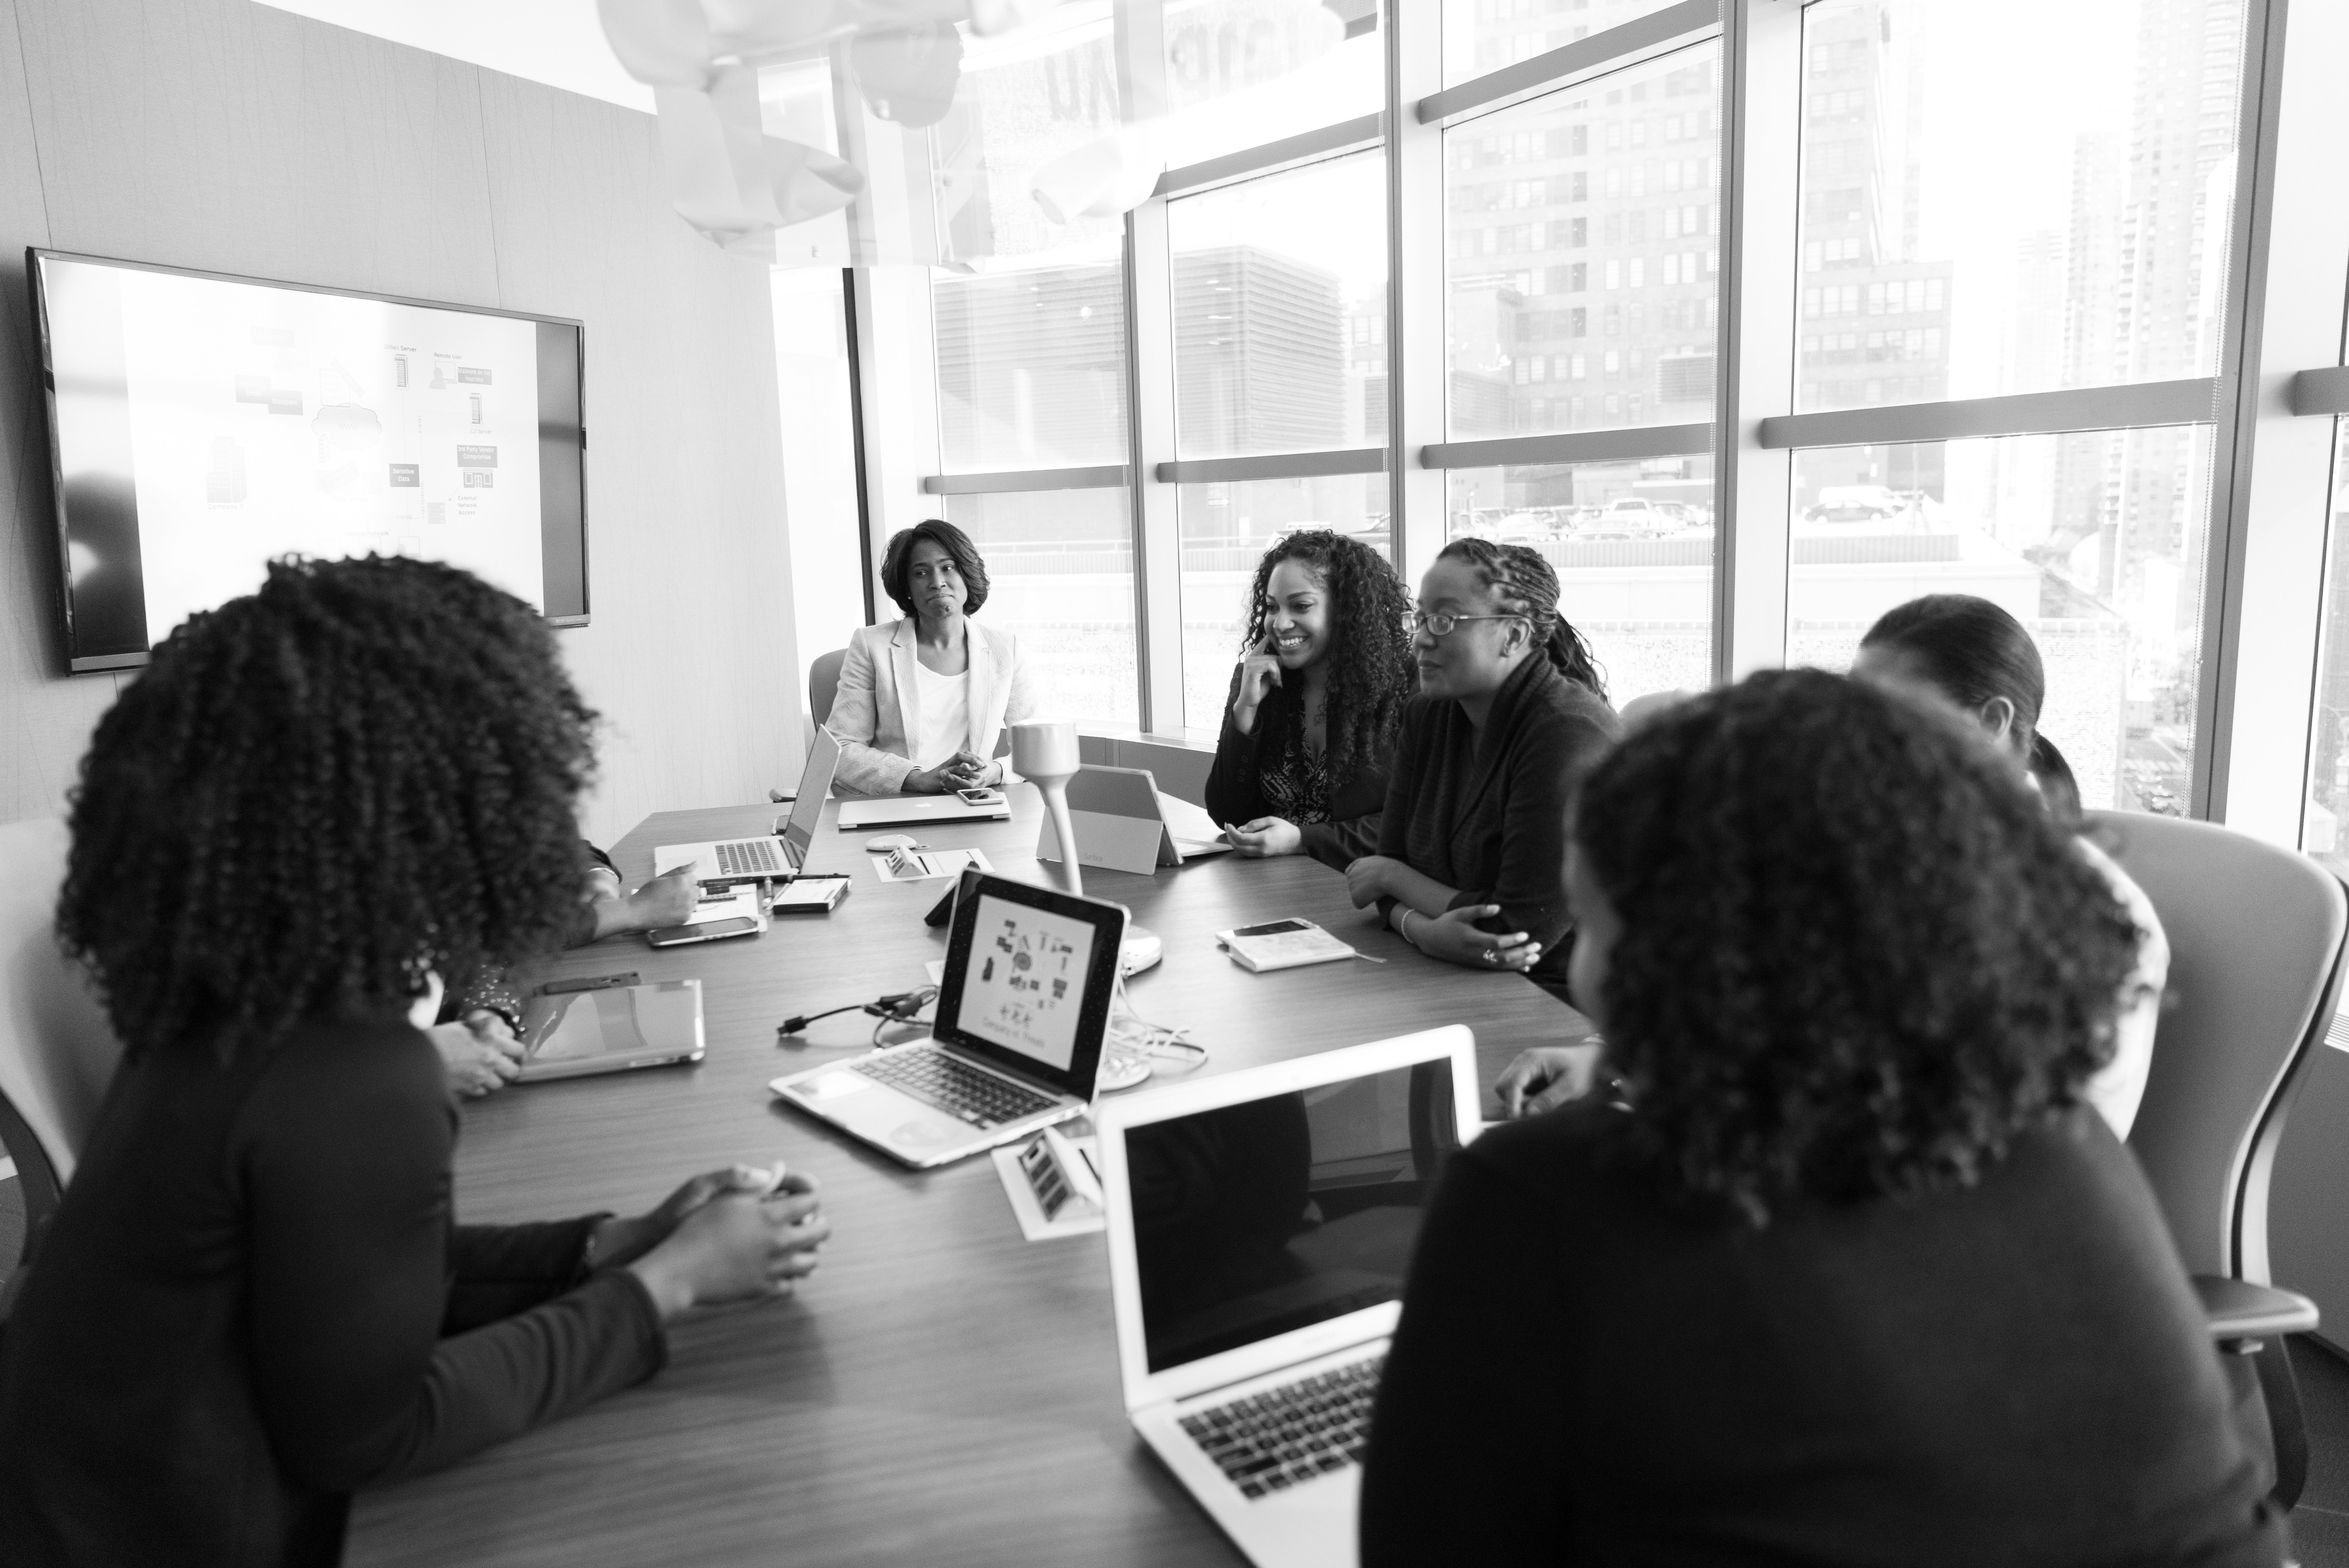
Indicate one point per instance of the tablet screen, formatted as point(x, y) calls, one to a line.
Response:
point(619, 1021)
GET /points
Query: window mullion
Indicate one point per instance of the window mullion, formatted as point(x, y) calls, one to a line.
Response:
point(1158, 541)
point(1416, 361)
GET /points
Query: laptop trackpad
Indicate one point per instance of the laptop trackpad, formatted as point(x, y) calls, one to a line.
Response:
point(928, 1132)
point(834, 1086)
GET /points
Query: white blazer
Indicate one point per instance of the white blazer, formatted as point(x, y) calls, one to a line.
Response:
point(876, 714)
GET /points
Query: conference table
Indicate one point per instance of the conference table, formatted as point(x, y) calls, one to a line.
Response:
point(941, 1390)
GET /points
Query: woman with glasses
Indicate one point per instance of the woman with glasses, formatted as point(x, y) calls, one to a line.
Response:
point(1511, 712)
point(1301, 766)
point(922, 701)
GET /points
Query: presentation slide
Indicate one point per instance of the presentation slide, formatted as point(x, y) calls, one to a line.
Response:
point(266, 420)
point(1026, 985)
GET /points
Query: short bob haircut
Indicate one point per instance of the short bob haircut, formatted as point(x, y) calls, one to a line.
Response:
point(1857, 957)
point(897, 563)
point(318, 795)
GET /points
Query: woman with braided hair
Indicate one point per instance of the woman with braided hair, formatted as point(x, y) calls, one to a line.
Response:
point(1511, 712)
point(254, 1299)
point(1315, 702)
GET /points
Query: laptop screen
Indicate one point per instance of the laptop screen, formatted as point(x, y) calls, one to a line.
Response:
point(1028, 980)
point(815, 783)
point(1256, 1219)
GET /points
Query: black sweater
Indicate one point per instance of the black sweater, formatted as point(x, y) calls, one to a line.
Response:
point(255, 1300)
point(2014, 1373)
point(1236, 793)
point(1485, 811)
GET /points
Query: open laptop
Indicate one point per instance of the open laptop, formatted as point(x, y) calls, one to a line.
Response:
point(1261, 1226)
point(894, 811)
point(1022, 1010)
point(1123, 823)
point(774, 857)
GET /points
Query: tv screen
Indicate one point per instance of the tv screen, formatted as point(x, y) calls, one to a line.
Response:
point(201, 425)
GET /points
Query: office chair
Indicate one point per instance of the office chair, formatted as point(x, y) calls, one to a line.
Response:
point(2257, 936)
point(824, 683)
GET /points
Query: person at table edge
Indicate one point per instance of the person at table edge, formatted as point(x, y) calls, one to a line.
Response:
point(924, 700)
point(1310, 719)
point(1511, 712)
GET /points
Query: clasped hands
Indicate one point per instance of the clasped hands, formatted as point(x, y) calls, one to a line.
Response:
point(963, 770)
point(1451, 935)
point(739, 1233)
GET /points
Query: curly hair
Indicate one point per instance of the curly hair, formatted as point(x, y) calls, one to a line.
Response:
point(1857, 958)
point(1523, 582)
point(1371, 670)
point(897, 563)
point(318, 795)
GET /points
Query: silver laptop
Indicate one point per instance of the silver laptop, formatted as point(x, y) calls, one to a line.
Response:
point(894, 811)
point(1123, 823)
point(1022, 1011)
point(611, 1029)
point(776, 857)
point(1261, 1226)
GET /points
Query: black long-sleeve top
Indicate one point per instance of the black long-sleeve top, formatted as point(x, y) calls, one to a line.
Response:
point(2015, 1373)
point(1236, 783)
point(1485, 811)
point(255, 1300)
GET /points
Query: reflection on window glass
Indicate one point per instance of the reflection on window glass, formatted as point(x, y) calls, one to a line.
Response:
point(1280, 310)
point(1632, 543)
point(1060, 567)
point(1482, 36)
point(2080, 241)
point(1224, 102)
point(2095, 542)
point(1582, 243)
point(1227, 529)
point(1032, 366)
point(2324, 832)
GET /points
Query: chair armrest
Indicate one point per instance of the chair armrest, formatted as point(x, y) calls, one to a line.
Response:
point(2238, 1309)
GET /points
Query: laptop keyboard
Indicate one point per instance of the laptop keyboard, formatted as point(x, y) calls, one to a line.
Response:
point(956, 1087)
point(750, 858)
point(1286, 1436)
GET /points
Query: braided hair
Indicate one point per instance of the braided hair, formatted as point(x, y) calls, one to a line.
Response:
point(318, 794)
point(1370, 661)
point(1523, 583)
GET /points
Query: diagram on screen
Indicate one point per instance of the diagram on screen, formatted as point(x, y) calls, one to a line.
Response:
point(1028, 981)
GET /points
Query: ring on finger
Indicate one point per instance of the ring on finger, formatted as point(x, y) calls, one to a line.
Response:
point(1490, 957)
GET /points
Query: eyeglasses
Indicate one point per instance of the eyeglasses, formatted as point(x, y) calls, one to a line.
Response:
point(1440, 623)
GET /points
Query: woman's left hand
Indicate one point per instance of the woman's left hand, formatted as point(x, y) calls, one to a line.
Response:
point(621, 1240)
point(1453, 936)
point(1366, 880)
point(1265, 837)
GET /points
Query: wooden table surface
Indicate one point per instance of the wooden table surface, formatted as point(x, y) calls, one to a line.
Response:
point(941, 1391)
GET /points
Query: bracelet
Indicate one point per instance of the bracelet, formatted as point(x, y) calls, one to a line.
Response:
point(1403, 928)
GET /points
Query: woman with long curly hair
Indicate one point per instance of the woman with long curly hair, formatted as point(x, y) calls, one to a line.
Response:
point(1302, 765)
point(254, 1299)
point(1850, 1274)
point(1511, 711)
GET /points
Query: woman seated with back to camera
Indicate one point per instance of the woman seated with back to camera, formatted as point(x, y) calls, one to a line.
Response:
point(923, 700)
point(1851, 1274)
point(254, 1299)
point(1510, 712)
point(1301, 766)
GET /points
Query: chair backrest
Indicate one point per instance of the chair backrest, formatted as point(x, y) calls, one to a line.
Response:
point(2256, 941)
point(57, 1049)
point(824, 684)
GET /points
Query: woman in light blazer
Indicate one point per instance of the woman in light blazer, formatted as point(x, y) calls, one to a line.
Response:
point(923, 700)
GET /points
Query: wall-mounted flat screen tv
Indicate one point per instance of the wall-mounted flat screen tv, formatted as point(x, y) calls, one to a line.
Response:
point(201, 425)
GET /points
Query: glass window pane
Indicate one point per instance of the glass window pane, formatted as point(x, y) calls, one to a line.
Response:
point(1227, 529)
point(1059, 569)
point(1032, 365)
point(2324, 829)
point(1633, 546)
point(1483, 36)
point(1582, 246)
point(1953, 249)
point(2095, 542)
point(1208, 41)
point(1280, 309)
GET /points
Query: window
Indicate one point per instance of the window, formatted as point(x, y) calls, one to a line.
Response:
point(2095, 542)
point(1059, 568)
point(1500, 299)
point(2325, 830)
point(2082, 241)
point(1215, 52)
point(1032, 366)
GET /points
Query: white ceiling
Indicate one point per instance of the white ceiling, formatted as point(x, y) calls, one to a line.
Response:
point(557, 42)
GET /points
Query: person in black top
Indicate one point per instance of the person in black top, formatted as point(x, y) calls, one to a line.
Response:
point(1301, 763)
point(1511, 711)
point(254, 1299)
point(1848, 1272)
